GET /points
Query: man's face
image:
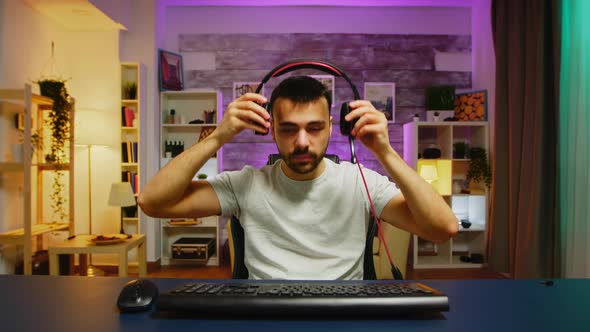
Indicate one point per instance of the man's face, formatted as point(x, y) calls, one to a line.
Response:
point(301, 132)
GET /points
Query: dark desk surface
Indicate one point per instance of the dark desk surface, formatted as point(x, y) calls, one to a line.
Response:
point(47, 303)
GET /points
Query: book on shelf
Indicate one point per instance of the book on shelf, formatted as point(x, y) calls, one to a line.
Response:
point(127, 116)
point(132, 178)
point(129, 152)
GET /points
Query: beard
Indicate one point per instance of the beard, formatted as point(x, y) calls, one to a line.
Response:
point(303, 167)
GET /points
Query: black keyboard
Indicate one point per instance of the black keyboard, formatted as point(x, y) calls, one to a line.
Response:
point(309, 298)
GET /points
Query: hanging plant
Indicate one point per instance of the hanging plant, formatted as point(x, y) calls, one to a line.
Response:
point(59, 124)
point(479, 168)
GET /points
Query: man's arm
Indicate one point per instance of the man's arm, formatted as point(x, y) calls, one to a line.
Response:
point(420, 209)
point(172, 191)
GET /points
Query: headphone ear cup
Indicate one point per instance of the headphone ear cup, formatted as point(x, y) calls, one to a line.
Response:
point(266, 106)
point(346, 126)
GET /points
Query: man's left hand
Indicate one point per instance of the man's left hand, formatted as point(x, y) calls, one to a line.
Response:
point(371, 126)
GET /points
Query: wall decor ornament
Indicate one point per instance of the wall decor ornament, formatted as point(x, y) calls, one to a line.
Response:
point(472, 106)
point(170, 71)
point(328, 82)
point(382, 96)
point(241, 88)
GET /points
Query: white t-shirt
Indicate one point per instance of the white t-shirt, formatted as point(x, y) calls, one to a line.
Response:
point(307, 230)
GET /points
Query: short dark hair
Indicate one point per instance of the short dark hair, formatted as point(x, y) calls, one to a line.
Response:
point(301, 90)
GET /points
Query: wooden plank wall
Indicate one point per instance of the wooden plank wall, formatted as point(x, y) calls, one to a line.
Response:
point(406, 60)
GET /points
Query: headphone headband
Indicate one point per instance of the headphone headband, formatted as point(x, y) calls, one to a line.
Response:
point(312, 64)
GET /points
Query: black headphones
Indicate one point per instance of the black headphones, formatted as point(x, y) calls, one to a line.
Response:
point(345, 126)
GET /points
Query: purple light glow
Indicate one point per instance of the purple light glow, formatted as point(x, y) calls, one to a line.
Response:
point(342, 3)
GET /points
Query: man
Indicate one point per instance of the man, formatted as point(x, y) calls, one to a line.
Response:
point(304, 217)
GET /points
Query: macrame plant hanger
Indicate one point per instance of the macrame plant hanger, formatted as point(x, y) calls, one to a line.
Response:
point(50, 71)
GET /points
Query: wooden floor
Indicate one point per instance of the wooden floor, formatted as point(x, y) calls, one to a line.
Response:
point(224, 272)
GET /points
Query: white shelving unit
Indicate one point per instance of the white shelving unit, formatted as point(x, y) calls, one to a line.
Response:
point(32, 110)
point(132, 141)
point(469, 204)
point(189, 106)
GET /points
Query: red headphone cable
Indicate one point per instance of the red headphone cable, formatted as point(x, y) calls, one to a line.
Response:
point(397, 274)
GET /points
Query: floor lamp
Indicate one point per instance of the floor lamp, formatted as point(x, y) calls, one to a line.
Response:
point(121, 195)
point(91, 133)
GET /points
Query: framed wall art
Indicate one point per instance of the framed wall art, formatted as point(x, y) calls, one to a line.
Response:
point(241, 88)
point(471, 106)
point(328, 82)
point(382, 96)
point(170, 71)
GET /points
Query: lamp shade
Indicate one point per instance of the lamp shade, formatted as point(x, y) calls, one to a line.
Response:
point(429, 173)
point(121, 194)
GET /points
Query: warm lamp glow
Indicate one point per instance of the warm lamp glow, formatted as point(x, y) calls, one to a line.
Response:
point(429, 173)
point(92, 127)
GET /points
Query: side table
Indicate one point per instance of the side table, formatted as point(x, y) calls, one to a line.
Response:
point(82, 245)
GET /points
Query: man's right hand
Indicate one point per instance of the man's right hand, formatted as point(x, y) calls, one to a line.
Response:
point(244, 113)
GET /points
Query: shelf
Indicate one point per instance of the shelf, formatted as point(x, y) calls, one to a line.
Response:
point(203, 222)
point(192, 94)
point(19, 94)
point(51, 167)
point(456, 262)
point(32, 110)
point(213, 261)
point(189, 105)
point(188, 125)
point(472, 228)
point(452, 123)
point(438, 262)
point(188, 226)
point(11, 167)
point(132, 163)
point(17, 235)
point(471, 205)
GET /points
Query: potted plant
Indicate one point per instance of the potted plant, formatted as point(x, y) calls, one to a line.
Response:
point(459, 150)
point(59, 124)
point(18, 149)
point(440, 99)
point(479, 168)
point(130, 90)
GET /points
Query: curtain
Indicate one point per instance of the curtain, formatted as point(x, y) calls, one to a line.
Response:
point(523, 233)
point(574, 139)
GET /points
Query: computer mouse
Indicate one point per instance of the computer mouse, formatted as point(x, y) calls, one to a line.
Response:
point(137, 295)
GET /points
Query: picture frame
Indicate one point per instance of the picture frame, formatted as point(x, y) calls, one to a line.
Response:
point(241, 88)
point(170, 71)
point(471, 105)
point(382, 96)
point(328, 82)
point(19, 121)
